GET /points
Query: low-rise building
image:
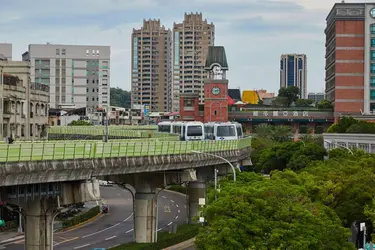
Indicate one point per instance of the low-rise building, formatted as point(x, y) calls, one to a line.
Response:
point(23, 104)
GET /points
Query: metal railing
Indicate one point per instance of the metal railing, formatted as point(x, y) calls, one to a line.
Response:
point(71, 150)
point(113, 131)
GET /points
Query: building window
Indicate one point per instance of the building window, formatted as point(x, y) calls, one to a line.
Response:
point(372, 53)
point(215, 112)
point(57, 52)
point(372, 94)
point(372, 68)
point(372, 81)
point(63, 52)
point(372, 28)
point(87, 52)
point(372, 42)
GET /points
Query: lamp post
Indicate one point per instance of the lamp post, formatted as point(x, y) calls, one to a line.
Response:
point(338, 145)
point(221, 158)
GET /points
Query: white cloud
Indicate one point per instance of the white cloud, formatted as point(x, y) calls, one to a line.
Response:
point(253, 37)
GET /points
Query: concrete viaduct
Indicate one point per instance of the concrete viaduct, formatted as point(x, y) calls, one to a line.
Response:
point(43, 177)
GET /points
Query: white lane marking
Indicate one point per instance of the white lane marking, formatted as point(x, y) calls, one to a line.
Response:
point(178, 211)
point(129, 231)
point(176, 217)
point(164, 197)
point(82, 246)
point(176, 205)
point(105, 229)
point(172, 201)
point(170, 223)
point(109, 238)
point(159, 229)
point(128, 217)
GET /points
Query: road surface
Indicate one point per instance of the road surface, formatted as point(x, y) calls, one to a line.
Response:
point(116, 227)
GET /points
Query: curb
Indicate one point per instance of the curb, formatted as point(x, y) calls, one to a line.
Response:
point(182, 245)
point(18, 237)
point(81, 224)
point(174, 192)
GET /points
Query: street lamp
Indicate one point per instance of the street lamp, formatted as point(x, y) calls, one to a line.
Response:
point(338, 145)
point(219, 157)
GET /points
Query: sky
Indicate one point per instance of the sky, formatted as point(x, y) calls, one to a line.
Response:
point(254, 32)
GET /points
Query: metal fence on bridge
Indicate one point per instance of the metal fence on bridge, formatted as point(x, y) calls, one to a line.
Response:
point(70, 150)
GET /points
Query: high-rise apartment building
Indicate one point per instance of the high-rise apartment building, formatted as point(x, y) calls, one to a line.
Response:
point(78, 75)
point(350, 58)
point(293, 72)
point(152, 66)
point(191, 38)
point(6, 51)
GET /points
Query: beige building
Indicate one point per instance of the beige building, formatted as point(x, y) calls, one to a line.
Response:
point(191, 40)
point(151, 66)
point(25, 105)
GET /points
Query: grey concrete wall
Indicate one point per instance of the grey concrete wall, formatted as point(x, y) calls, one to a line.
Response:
point(20, 173)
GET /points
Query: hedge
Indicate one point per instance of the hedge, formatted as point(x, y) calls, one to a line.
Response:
point(165, 239)
point(82, 217)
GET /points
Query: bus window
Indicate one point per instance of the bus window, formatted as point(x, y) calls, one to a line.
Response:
point(226, 131)
point(194, 130)
point(164, 128)
point(177, 129)
point(239, 131)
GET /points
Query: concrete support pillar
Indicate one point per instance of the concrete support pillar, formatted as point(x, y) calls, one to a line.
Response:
point(145, 213)
point(196, 191)
point(38, 225)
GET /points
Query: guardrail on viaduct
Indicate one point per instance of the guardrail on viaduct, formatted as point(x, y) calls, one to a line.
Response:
point(72, 150)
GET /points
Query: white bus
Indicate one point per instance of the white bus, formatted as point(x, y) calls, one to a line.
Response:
point(193, 131)
point(220, 131)
point(178, 128)
point(239, 129)
point(164, 126)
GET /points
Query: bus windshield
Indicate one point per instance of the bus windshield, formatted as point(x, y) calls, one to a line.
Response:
point(194, 130)
point(239, 131)
point(226, 131)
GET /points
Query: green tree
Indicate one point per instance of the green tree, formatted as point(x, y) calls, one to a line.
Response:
point(304, 102)
point(324, 104)
point(291, 93)
point(120, 98)
point(282, 133)
point(264, 131)
point(344, 183)
point(257, 213)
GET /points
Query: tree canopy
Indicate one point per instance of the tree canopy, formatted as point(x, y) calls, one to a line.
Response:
point(291, 93)
point(80, 123)
point(351, 125)
point(257, 213)
point(120, 98)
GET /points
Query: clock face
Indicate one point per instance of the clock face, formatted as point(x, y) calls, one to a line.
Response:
point(215, 91)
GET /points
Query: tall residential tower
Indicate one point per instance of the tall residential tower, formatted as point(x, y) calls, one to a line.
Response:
point(78, 75)
point(192, 38)
point(293, 72)
point(350, 58)
point(152, 66)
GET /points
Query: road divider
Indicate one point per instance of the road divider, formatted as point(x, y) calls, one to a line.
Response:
point(80, 220)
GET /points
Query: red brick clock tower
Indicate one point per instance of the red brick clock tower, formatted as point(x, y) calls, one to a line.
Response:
point(216, 86)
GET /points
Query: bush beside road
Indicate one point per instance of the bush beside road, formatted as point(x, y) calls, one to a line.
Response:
point(81, 218)
point(165, 239)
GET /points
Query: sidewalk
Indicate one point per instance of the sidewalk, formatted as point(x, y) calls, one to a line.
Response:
point(10, 236)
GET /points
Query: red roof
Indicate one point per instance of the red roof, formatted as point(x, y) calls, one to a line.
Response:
point(230, 101)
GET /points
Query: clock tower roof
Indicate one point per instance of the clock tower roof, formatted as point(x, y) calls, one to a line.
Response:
point(216, 57)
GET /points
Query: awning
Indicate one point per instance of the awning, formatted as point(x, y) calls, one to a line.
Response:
point(173, 114)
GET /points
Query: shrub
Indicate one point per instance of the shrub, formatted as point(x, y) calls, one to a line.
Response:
point(82, 217)
point(184, 233)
